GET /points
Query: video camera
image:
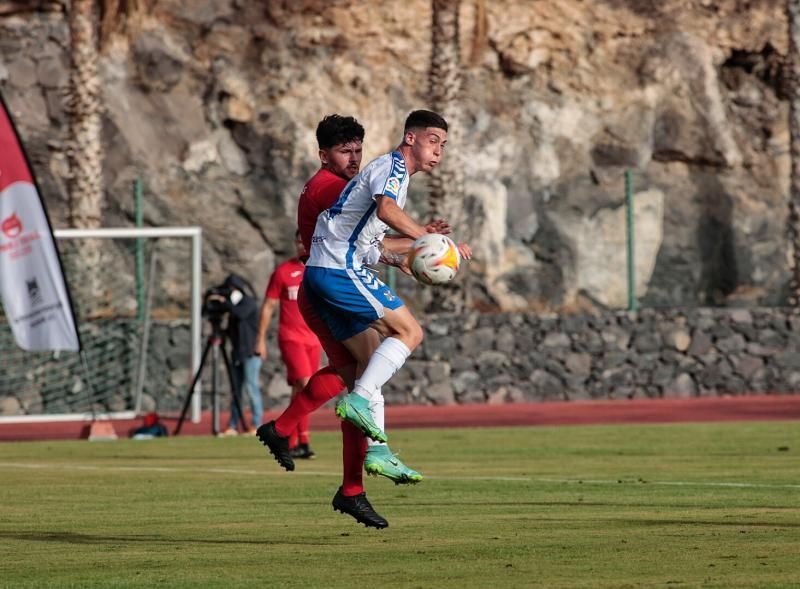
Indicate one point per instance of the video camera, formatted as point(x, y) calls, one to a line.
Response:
point(214, 308)
point(217, 300)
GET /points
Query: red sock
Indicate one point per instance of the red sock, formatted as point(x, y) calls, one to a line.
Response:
point(323, 386)
point(302, 430)
point(354, 450)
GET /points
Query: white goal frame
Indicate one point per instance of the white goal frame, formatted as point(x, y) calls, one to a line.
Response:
point(196, 235)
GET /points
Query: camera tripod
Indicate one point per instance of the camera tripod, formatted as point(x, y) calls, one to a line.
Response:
point(216, 344)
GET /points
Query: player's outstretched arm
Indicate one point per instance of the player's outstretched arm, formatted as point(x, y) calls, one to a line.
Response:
point(390, 213)
point(267, 308)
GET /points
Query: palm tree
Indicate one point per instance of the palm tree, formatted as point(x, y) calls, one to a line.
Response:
point(447, 181)
point(445, 92)
point(84, 151)
point(92, 24)
point(793, 17)
point(87, 18)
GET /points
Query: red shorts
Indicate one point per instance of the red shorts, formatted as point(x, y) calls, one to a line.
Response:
point(302, 360)
point(338, 355)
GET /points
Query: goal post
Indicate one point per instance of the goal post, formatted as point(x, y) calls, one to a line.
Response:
point(103, 269)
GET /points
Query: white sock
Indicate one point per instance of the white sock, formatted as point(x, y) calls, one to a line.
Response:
point(384, 362)
point(376, 410)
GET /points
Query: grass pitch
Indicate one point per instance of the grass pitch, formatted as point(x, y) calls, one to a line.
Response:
point(601, 507)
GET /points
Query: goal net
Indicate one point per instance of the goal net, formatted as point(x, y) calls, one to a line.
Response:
point(137, 300)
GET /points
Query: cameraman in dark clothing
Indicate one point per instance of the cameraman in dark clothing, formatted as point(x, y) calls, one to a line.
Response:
point(242, 330)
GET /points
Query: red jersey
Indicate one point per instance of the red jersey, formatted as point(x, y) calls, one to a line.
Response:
point(283, 285)
point(319, 194)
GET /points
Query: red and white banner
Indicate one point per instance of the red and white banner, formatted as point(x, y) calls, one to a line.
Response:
point(32, 286)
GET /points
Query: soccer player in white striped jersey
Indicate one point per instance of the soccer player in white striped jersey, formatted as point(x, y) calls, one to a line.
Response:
point(350, 299)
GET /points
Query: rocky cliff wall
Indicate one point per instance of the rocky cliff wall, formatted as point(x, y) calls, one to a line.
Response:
point(215, 107)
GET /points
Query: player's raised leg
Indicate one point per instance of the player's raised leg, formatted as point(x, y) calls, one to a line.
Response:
point(357, 408)
point(388, 357)
point(403, 335)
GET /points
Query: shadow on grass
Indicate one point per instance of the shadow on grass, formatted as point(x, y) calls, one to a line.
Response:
point(687, 522)
point(73, 538)
point(578, 503)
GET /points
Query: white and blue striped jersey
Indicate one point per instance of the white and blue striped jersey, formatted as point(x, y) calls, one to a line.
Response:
point(346, 232)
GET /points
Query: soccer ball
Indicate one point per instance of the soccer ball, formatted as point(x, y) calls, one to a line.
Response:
point(434, 259)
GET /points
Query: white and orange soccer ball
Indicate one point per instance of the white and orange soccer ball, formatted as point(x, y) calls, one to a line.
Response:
point(434, 259)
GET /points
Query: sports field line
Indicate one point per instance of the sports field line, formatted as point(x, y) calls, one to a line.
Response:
point(522, 479)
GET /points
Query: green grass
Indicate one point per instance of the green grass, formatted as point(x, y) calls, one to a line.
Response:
point(612, 507)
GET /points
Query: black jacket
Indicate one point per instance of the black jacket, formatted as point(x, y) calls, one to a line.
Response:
point(242, 321)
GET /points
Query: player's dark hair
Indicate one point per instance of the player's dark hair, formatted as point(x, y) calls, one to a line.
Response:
point(336, 130)
point(422, 119)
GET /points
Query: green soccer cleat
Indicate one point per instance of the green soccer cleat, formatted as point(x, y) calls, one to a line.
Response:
point(381, 461)
point(355, 409)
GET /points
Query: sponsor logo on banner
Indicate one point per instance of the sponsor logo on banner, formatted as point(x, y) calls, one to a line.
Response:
point(20, 242)
point(21, 246)
point(11, 226)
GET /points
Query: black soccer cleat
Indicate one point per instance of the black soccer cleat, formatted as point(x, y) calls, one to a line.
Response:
point(359, 508)
point(278, 445)
point(302, 451)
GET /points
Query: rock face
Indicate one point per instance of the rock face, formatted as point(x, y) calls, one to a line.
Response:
point(216, 107)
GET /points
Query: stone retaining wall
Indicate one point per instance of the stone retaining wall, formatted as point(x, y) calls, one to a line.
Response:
point(652, 353)
point(514, 357)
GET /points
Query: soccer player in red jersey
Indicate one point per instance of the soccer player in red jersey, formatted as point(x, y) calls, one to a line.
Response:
point(339, 140)
point(300, 348)
point(340, 151)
